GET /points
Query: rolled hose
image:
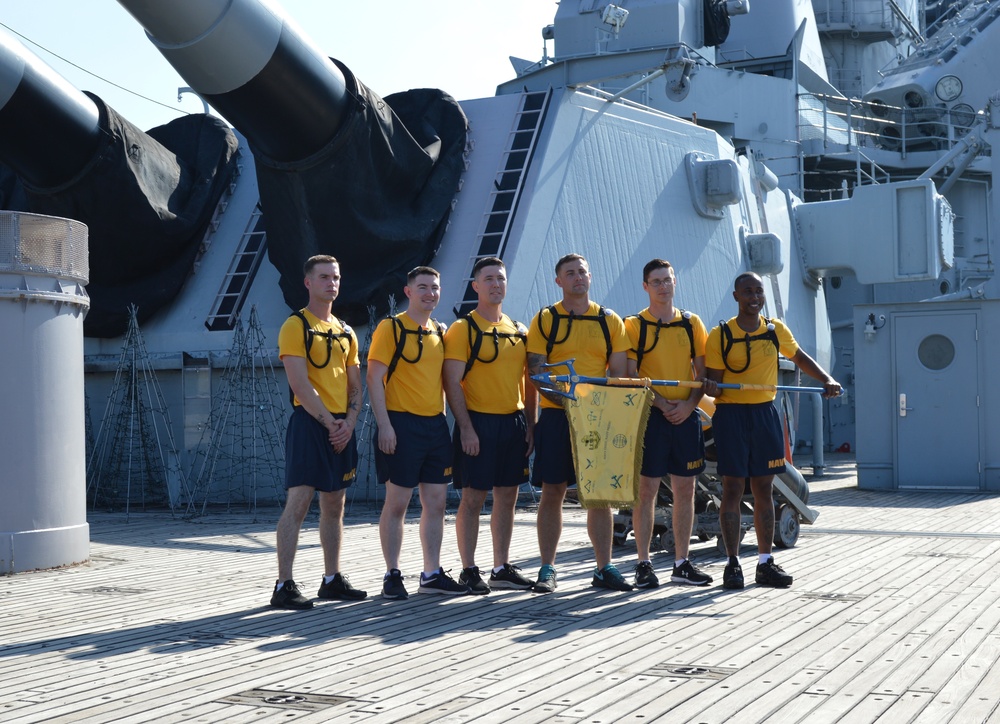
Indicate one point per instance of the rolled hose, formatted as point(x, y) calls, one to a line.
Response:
point(796, 483)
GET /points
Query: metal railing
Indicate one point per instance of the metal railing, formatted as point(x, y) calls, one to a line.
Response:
point(834, 121)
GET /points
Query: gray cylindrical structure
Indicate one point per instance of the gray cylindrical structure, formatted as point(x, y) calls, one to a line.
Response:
point(251, 62)
point(49, 131)
point(340, 170)
point(43, 515)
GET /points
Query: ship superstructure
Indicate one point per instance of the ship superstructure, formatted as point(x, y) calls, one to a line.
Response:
point(839, 148)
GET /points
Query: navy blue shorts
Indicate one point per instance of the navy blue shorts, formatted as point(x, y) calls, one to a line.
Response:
point(553, 449)
point(310, 458)
point(748, 440)
point(670, 449)
point(502, 461)
point(423, 451)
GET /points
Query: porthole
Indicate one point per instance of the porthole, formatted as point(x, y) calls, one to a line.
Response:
point(912, 99)
point(936, 352)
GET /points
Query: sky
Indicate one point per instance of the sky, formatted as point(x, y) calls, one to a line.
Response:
point(460, 46)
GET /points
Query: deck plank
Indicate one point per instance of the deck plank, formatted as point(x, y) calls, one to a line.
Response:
point(894, 616)
point(982, 702)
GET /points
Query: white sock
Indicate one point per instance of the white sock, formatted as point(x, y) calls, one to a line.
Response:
point(497, 569)
point(679, 562)
point(763, 558)
point(329, 579)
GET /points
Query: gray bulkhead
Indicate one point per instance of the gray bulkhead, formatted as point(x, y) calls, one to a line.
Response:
point(609, 180)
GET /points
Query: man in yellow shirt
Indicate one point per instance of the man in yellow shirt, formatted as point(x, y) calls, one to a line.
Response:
point(485, 376)
point(405, 389)
point(668, 344)
point(573, 328)
point(320, 354)
point(748, 435)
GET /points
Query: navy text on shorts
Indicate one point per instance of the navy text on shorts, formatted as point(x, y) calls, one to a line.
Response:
point(310, 458)
point(670, 449)
point(748, 440)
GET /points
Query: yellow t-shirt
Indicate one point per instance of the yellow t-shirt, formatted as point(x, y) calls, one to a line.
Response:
point(763, 368)
point(667, 355)
point(495, 384)
point(330, 380)
point(415, 385)
point(581, 338)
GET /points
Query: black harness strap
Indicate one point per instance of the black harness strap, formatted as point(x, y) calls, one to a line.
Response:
point(310, 335)
point(399, 332)
point(726, 342)
point(551, 339)
point(476, 341)
point(644, 324)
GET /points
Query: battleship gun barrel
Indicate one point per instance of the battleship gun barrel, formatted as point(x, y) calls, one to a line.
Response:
point(340, 169)
point(255, 67)
point(49, 130)
point(146, 198)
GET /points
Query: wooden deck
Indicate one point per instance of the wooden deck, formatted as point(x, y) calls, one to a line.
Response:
point(894, 616)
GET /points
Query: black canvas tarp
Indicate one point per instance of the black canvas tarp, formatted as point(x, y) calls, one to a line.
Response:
point(377, 197)
point(147, 199)
point(716, 22)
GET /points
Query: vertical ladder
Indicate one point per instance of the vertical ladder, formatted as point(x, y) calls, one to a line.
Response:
point(507, 186)
point(242, 270)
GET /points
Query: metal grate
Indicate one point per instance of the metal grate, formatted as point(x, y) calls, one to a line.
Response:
point(302, 701)
point(548, 615)
point(35, 244)
point(115, 591)
point(690, 671)
point(842, 597)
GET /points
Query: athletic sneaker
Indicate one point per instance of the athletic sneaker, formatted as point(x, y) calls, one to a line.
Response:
point(732, 577)
point(289, 596)
point(441, 582)
point(771, 574)
point(644, 576)
point(340, 588)
point(609, 577)
point(392, 586)
point(546, 582)
point(510, 577)
point(474, 581)
point(688, 573)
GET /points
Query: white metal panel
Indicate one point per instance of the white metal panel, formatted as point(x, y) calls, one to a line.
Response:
point(609, 183)
point(767, 31)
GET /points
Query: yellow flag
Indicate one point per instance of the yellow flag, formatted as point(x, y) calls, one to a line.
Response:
point(607, 425)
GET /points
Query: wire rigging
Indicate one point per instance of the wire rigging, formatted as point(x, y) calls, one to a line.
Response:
point(176, 110)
